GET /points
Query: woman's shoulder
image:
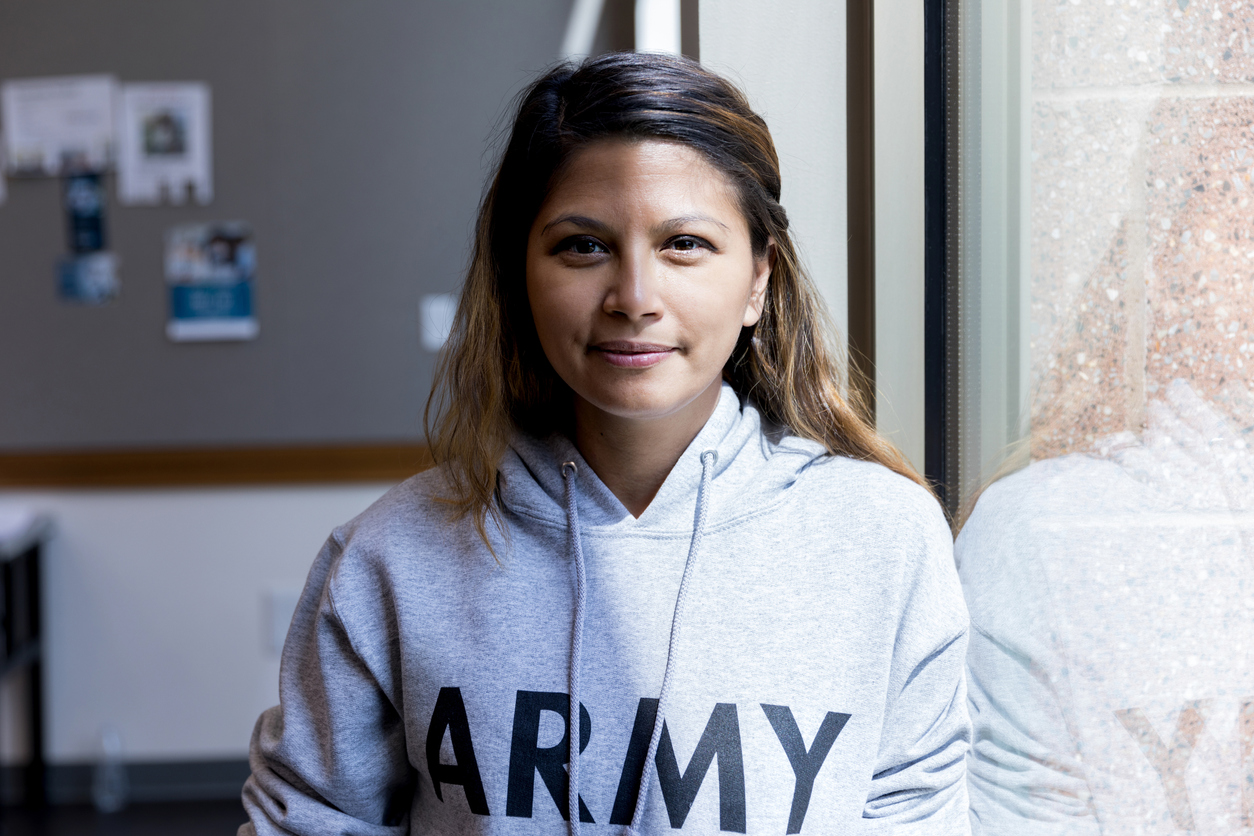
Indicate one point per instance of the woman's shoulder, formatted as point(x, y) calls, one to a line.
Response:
point(889, 516)
point(409, 522)
point(409, 503)
point(870, 488)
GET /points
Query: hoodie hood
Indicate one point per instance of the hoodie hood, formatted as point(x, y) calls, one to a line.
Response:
point(755, 463)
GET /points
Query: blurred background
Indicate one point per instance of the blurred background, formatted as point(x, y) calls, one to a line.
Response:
point(231, 236)
point(221, 296)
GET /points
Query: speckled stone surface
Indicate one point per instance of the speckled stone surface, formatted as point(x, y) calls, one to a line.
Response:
point(1200, 286)
point(1084, 189)
point(1111, 581)
point(1141, 216)
point(1093, 43)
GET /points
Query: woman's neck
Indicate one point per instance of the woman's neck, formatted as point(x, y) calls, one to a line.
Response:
point(633, 456)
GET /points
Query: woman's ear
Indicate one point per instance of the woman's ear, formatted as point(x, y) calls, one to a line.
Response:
point(762, 266)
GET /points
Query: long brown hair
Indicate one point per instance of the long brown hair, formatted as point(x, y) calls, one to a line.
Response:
point(493, 375)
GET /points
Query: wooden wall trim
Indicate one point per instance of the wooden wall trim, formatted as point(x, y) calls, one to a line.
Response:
point(860, 115)
point(189, 467)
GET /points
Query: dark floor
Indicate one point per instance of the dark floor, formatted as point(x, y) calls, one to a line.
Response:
point(186, 818)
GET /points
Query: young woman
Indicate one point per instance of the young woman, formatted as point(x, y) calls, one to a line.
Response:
point(664, 577)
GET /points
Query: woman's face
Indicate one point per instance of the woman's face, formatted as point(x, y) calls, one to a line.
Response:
point(640, 275)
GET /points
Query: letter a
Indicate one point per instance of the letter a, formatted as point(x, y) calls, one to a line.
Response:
point(450, 715)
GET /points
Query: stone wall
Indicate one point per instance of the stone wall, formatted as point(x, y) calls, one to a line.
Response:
point(1142, 267)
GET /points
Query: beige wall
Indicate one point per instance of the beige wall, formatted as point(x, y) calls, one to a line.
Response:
point(790, 59)
point(157, 619)
point(899, 142)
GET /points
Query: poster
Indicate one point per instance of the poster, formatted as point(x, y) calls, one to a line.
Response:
point(89, 275)
point(209, 270)
point(57, 124)
point(165, 152)
point(84, 212)
point(88, 278)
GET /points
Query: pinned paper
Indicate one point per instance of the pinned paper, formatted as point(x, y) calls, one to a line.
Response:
point(165, 150)
point(209, 269)
point(90, 279)
point(84, 213)
point(89, 275)
point(58, 124)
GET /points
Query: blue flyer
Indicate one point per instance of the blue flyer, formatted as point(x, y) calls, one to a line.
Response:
point(84, 212)
point(88, 278)
point(209, 269)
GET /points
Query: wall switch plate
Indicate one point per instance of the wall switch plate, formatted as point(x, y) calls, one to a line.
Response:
point(278, 607)
point(438, 310)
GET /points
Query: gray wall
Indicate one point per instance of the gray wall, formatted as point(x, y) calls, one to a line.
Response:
point(351, 135)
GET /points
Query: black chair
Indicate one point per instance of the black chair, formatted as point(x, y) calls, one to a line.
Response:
point(21, 639)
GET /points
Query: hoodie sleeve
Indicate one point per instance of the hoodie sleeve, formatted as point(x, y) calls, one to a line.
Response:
point(1025, 773)
point(919, 784)
point(330, 758)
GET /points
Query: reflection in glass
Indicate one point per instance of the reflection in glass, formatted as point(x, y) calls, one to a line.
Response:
point(1104, 268)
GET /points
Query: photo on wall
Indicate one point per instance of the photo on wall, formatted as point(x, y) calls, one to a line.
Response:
point(88, 278)
point(209, 270)
point(165, 144)
point(165, 133)
point(89, 273)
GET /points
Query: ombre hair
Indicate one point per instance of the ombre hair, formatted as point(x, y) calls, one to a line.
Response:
point(493, 377)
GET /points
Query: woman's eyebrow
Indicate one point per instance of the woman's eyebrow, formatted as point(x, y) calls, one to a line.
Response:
point(667, 226)
point(676, 223)
point(582, 221)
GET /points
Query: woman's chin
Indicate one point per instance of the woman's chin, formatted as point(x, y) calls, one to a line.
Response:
point(647, 404)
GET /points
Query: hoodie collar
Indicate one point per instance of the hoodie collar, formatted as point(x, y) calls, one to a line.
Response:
point(532, 479)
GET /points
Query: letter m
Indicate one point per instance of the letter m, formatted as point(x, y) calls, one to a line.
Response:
point(720, 739)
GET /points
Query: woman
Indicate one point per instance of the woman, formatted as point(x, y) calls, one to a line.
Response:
point(651, 502)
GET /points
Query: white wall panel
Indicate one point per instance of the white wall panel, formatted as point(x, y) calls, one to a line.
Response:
point(790, 59)
point(155, 611)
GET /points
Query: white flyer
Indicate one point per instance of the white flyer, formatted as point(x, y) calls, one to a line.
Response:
point(165, 147)
point(56, 123)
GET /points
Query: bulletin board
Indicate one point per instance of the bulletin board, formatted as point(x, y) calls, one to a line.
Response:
point(353, 139)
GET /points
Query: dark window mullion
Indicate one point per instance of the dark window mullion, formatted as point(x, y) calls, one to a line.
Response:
point(939, 327)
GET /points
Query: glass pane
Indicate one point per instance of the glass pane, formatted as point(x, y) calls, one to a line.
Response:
point(1102, 260)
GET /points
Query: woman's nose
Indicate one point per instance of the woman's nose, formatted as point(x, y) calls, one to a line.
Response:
point(634, 288)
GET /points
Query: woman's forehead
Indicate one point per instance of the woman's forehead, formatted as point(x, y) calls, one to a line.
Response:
point(616, 175)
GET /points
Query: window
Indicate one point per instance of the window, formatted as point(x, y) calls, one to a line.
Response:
point(1096, 280)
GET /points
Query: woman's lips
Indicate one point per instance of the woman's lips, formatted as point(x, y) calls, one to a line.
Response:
point(631, 355)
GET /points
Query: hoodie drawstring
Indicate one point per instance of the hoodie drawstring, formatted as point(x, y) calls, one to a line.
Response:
point(708, 459)
point(569, 472)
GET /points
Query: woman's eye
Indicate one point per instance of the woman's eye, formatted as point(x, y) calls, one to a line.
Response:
point(582, 246)
point(687, 243)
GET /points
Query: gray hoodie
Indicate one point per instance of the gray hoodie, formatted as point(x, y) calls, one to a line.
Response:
point(775, 645)
point(1112, 648)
